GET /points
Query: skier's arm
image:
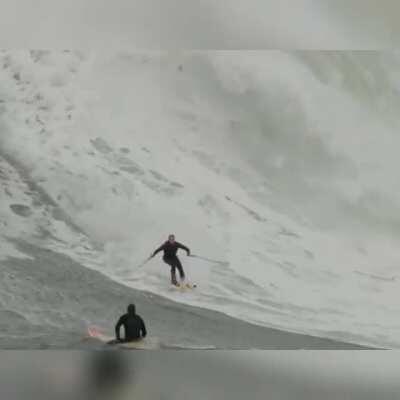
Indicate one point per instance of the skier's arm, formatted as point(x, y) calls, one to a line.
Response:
point(158, 250)
point(117, 328)
point(183, 247)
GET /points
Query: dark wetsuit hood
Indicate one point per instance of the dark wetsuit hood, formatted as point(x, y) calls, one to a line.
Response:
point(131, 309)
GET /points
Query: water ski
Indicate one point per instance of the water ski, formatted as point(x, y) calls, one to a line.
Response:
point(186, 285)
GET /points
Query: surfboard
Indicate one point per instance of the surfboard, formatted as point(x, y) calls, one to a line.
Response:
point(147, 343)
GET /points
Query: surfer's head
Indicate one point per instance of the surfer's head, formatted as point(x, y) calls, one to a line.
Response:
point(131, 309)
point(171, 238)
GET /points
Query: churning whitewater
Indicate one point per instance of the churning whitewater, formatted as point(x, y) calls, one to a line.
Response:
point(280, 166)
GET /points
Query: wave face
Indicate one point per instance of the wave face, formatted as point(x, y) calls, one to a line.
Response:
point(282, 166)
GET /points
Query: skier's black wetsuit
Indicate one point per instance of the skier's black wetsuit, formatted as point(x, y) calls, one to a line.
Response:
point(170, 249)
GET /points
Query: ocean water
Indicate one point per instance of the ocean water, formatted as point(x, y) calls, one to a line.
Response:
point(281, 166)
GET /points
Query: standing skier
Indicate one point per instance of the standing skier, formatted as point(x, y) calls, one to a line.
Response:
point(170, 248)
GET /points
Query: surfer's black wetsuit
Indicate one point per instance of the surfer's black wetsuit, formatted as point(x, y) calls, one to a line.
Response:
point(133, 324)
point(170, 258)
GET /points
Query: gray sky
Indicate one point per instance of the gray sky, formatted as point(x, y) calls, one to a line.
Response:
point(201, 24)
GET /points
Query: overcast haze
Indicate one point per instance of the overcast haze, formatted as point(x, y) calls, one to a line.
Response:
point(205, 24)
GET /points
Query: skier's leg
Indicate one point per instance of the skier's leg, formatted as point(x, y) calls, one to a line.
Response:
point(173, 275)
point(180, 269)
point(171, 263)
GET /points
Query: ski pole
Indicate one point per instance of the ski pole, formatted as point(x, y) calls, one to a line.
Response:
point(209, 259)
point(144, 262)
